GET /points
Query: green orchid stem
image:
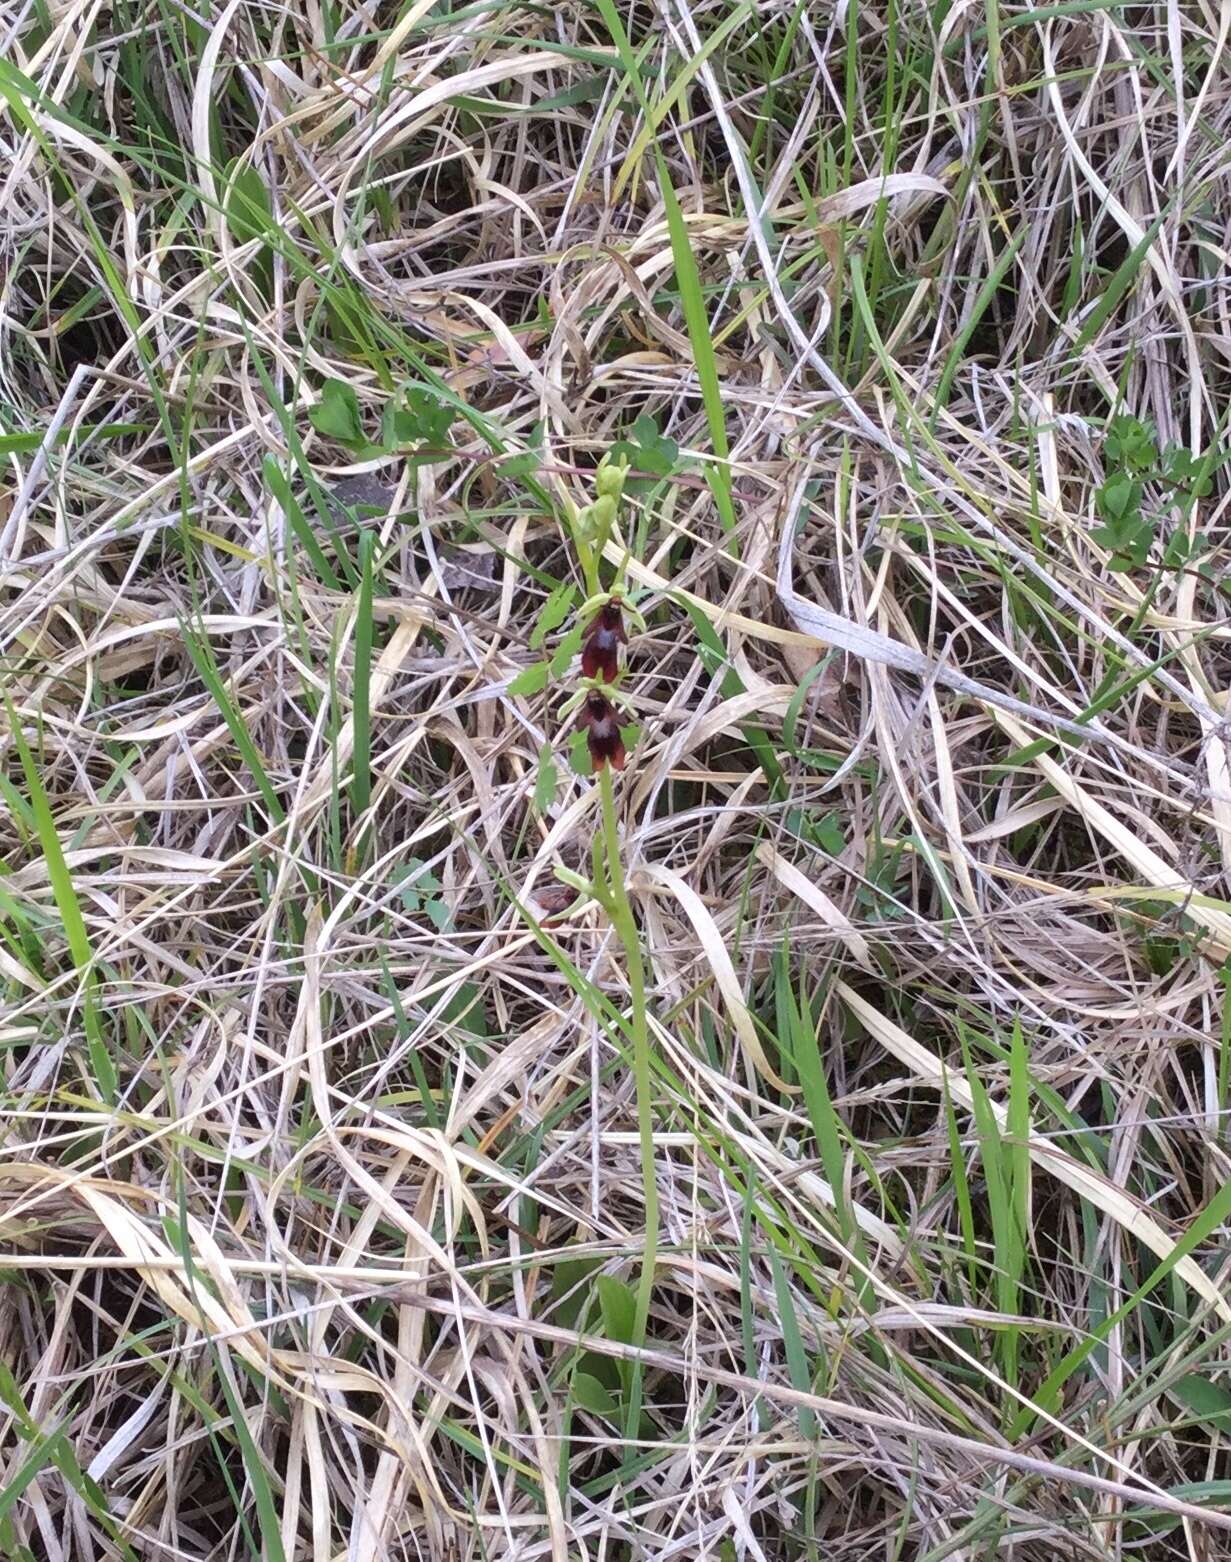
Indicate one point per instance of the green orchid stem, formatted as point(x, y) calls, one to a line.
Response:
point(588, 559)
point(590, 555)
point(621, 913)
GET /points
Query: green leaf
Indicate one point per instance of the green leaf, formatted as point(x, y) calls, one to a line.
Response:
point(592, 1396)
point(523, 464)
point(579, 759)
point(546, 781)
point(1188, 472)
point(648, 450)
point(336, 414)
point(796, 704)
point(588, 90)
point(418, 419)
point(73, 921)
point(1129, 543)
point(570, 1295)
point(1124, 530)
point(568, 648)
point(438, 914)
point(281, 489)
point(793, 1343)
point(1047, 1396)
point(250, 214)
point(1130, 443)
point(1209, 1402)
point(553, 613)
point(531, 680)
point(1182, 549)
point(361, 711)
point(417, 883)
point(20, 444)
point(618, 1303)
point(700, 334)
point(827, 1127)
point(397, 427)
point(465, 1009)
point(1124, 277)
point(270, 1533)
point(202, 654)
point(1012, 1249)
point(525, 461)
point(1118, 497)
point(714, 659)
point(828, 833)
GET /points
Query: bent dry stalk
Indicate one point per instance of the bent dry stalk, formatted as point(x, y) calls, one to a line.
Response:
point(598, 704)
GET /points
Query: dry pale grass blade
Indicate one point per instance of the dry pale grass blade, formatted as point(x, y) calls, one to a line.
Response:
point(862, 1416)
point(718, 961)
point(812, 895)
point(1150, 864)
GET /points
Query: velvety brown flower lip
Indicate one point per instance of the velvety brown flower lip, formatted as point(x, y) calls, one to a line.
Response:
point(600, 652)
point(602, 724)
point(555, 899)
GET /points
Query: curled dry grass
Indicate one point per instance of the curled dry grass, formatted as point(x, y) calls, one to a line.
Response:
point(322, 1197)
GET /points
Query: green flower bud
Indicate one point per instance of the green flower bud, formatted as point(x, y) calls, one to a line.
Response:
point(609, 481)
point(603, 512)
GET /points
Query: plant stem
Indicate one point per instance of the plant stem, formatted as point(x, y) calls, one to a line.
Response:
point(625, 925)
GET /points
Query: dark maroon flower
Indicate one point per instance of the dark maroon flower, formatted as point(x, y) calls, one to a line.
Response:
point(555, 900)
point(602, 724)
point(600, 653)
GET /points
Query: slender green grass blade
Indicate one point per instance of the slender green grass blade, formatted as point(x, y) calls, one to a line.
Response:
point(361, 785)
point(203, 660)
point(700, 335)
point(793, 1343)
point(69, 908)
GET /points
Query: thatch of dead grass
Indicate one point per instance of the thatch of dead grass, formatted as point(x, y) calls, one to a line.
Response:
point(321, 1199)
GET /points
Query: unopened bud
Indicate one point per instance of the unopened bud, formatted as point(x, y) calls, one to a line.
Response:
point(609, 481)
point(602, 512)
